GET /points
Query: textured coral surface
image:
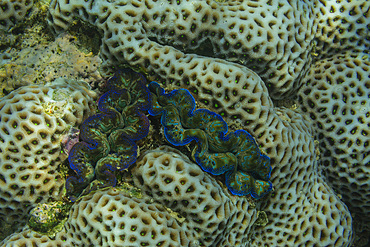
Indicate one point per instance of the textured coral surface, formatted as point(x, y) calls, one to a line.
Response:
point(179, 205)
point(39, 61)
point(13, 11)
point(293, 73)
point(32, 120)
point(336, 95)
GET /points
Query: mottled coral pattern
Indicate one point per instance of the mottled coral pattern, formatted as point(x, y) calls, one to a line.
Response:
point(292, 73)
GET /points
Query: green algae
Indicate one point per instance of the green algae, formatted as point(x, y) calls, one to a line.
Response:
point(49, 218)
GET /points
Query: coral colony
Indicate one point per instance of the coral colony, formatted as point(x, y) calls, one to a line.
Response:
point(263, 106)
point(107, 138)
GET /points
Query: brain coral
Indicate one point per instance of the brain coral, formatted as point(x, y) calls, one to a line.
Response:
point(342, 25)
point(180, 206)
point(12, 11)
point(212, 215)
point(139, 32)
point(32, 121)
point(169, 40)
point(336, 96)
point(275, 38)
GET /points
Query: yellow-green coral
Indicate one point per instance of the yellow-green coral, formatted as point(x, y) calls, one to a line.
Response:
point(48, 218)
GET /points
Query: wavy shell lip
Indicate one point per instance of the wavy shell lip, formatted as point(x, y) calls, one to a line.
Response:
point(217, 152)
point(107, 139)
